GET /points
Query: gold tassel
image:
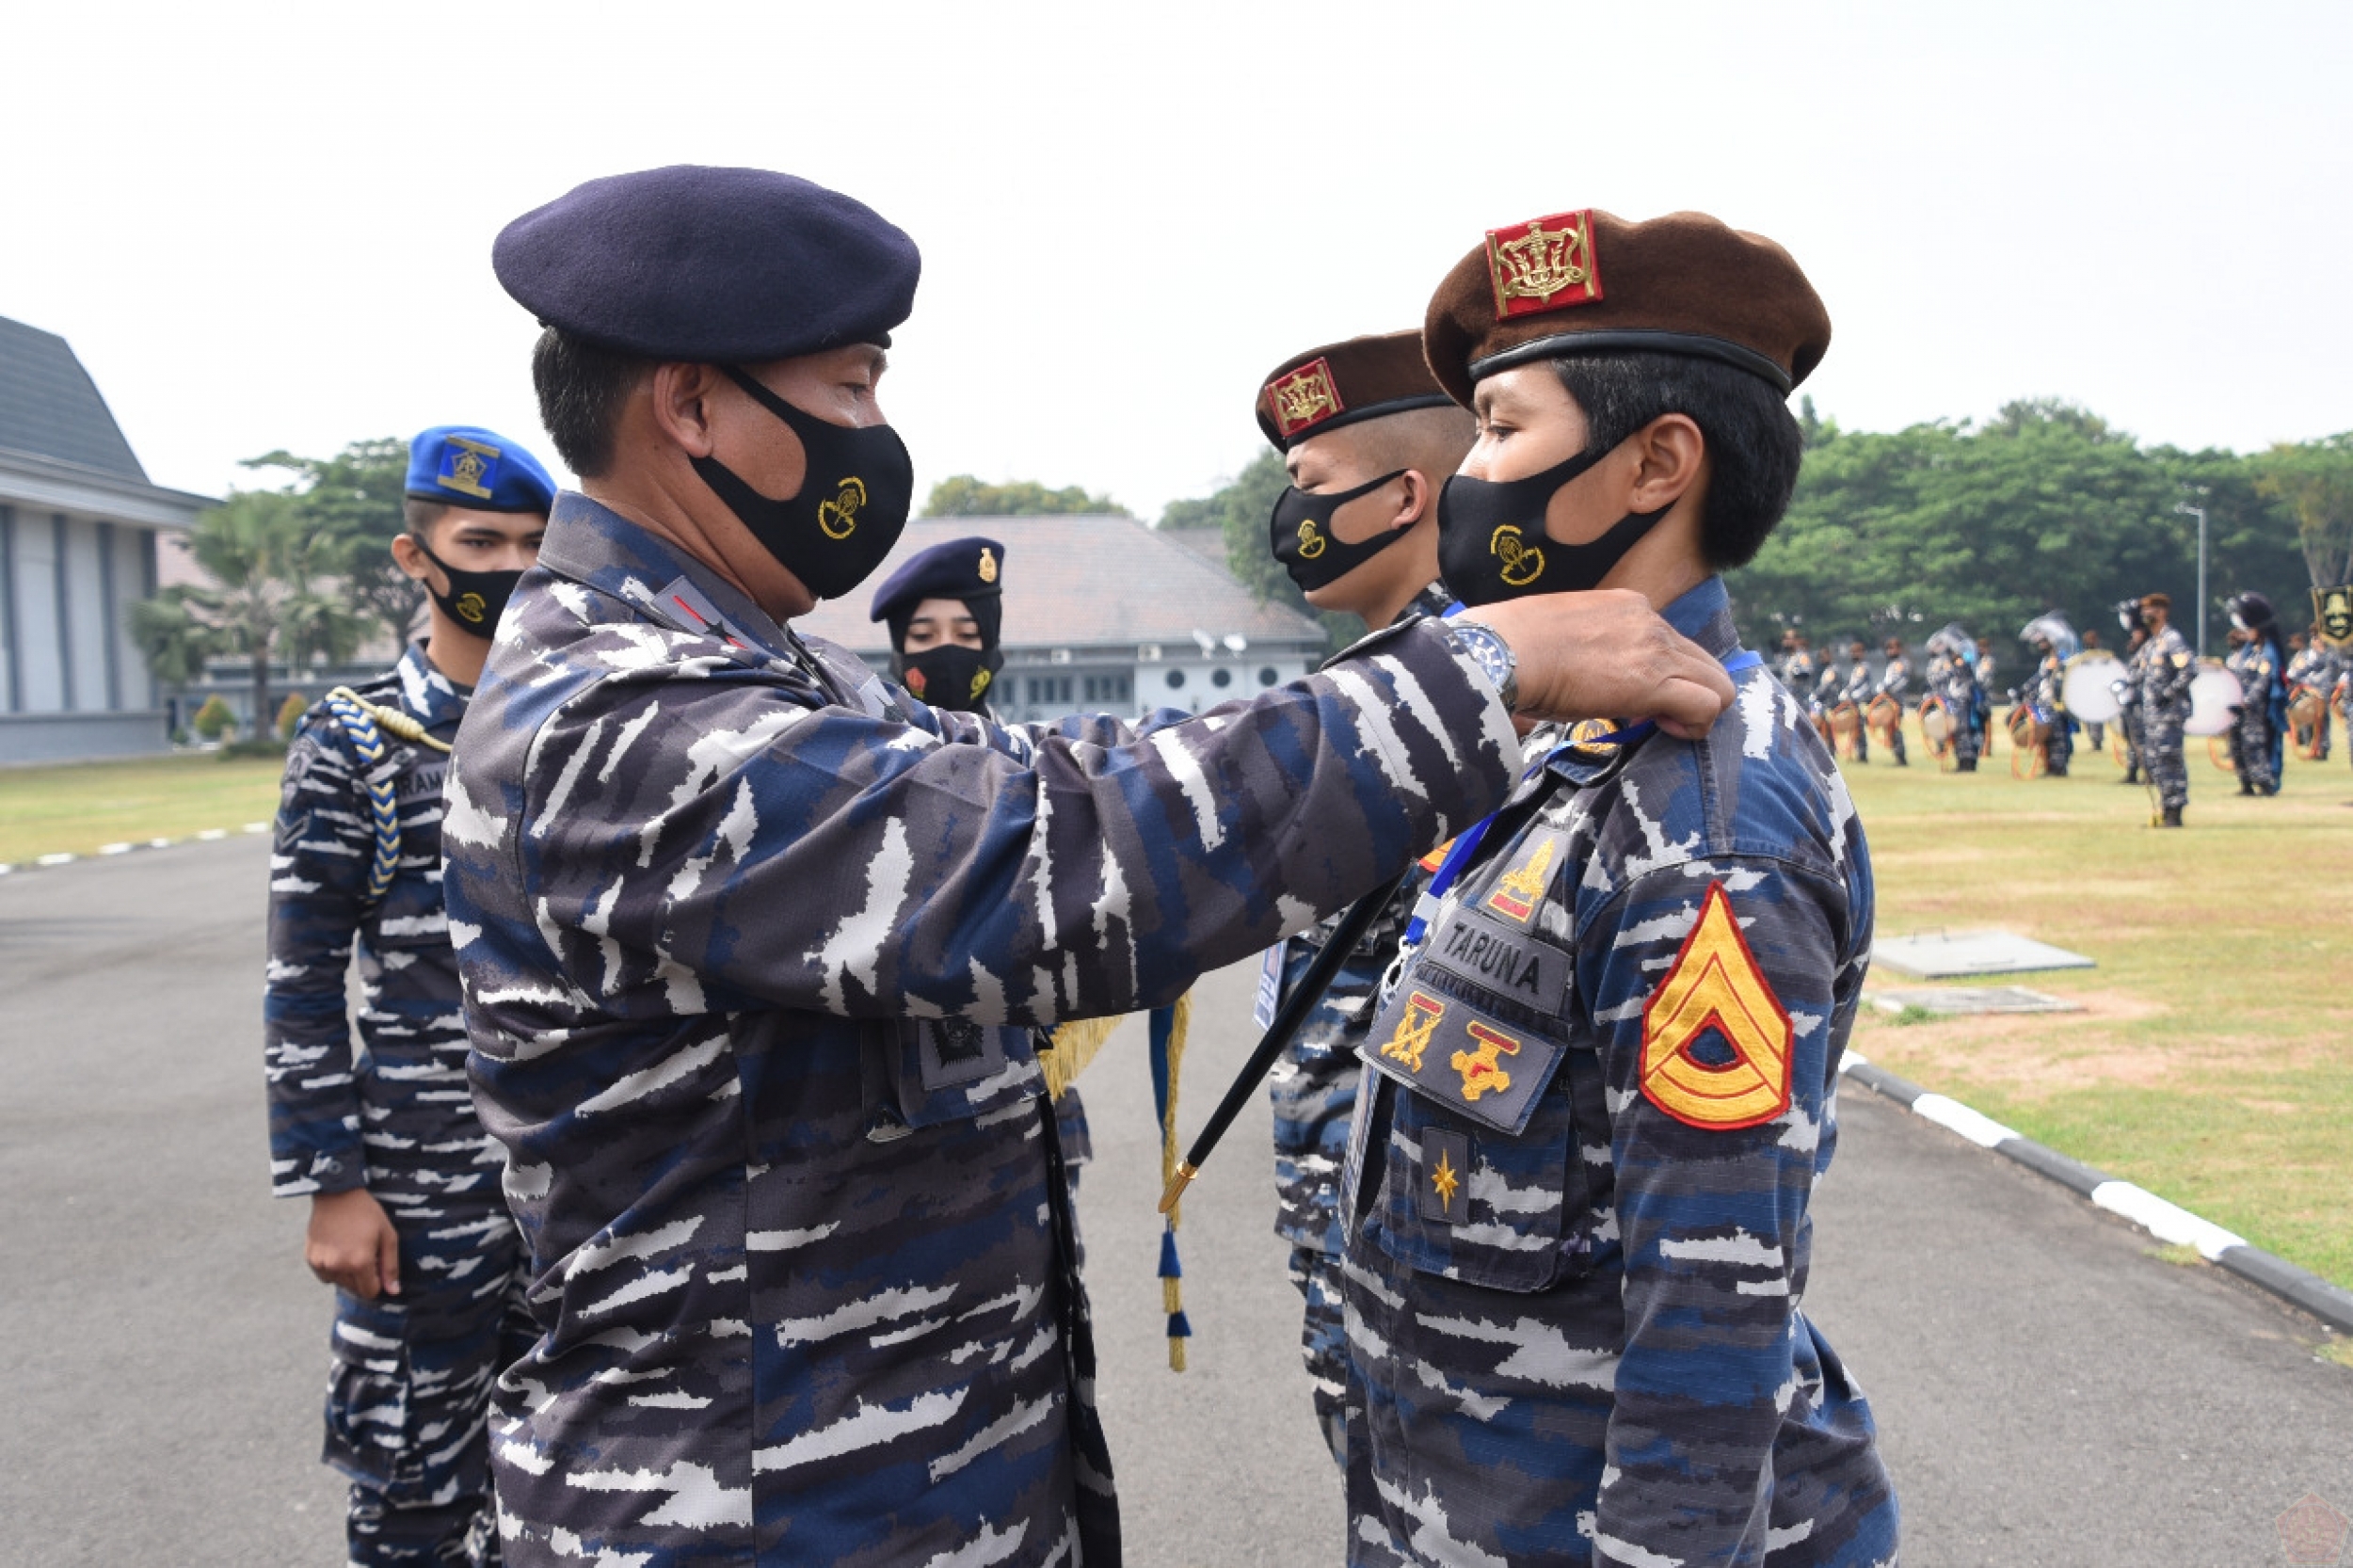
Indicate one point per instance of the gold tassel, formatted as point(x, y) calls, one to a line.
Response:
point(1073, 1048)
point(400, 724)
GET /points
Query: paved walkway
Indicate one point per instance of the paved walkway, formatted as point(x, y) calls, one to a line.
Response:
point(2051, 1394)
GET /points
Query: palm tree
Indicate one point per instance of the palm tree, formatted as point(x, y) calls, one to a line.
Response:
point(264, 602)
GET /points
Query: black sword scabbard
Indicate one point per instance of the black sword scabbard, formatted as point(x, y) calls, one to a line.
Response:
point(1287, 1018)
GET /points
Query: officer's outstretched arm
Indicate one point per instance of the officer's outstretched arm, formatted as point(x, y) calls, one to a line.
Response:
point(724, 843)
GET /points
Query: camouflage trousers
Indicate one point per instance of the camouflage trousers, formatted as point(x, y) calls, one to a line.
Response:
point(1323, 1342)
point(2059, 748)
point(2255, 750)
point(408, 1396)
point(2161, 758)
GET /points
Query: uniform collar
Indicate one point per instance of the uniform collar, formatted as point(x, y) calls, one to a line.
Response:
point(1704, 616)
point(1433, 600)
point(595, 546)
point(426, 692)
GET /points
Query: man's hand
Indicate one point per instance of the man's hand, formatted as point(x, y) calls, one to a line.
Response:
point(1607, 655)
point(352, 1243)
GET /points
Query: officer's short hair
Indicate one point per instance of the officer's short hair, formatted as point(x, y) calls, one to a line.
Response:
point(582, 388)
point(1430, 439)
point(1753, 443)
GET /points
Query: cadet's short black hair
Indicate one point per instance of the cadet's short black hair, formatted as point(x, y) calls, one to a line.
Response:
point(418, 515)
point(582, 388)
point(1753, 443)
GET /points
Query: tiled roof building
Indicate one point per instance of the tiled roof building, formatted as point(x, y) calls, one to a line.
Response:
point(78, 529)
point(1103, 614)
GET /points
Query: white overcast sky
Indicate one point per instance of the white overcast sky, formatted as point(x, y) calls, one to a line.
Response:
point(266, 226)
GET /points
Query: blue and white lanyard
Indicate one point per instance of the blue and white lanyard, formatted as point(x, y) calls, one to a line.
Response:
point(1466, 845)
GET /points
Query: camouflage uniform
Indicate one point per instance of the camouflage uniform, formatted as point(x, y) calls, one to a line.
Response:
point(1573, 1314)
point(412, 1373)
point(2162, 671)
point(1896, 681)
point(752, 953)
point(1313, 1088)
point(2258, 736)
point(1955, 683)
point(2047, 693)
point(2311, 668)
point(1858, 690)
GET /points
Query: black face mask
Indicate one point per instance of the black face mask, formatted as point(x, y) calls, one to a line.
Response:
point(1301, 533)
point(950, 676)
point(851, 507)
point(475, 599)
point(1492, 543)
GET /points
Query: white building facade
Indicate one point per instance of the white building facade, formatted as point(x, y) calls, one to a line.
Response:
point(79, 526)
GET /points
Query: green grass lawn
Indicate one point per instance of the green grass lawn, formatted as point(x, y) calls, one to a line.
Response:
point(77, 808)
point(2213, 1061)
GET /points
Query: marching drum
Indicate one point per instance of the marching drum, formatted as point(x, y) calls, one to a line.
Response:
point(2029, 740)
point(1937, 725)
point(1846, 722)
point(2213, 693)
point(2089, 688)
point(2307, 720)
point(1885, 715)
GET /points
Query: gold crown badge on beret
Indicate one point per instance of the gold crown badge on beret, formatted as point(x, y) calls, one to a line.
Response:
point(1342, 382)
point(1685, 283)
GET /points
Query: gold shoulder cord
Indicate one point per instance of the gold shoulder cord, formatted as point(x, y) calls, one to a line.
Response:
point(391, 719)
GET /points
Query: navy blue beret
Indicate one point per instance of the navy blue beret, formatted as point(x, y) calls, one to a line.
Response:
point(960, 568)
point(464, 465)
point(712, 265)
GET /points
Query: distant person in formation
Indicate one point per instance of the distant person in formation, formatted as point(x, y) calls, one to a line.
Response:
point(1953, 681)
point(945, 611)
point(1601, 1084)
point(2259, 738)
point(1796, 663)
point(2128, 716)
point(407, 1218)
point(1856, 690)
point(1369, 439)
point(1896, 682)
point(2095, 735)
point(2307, 679)
point(2163, 670)
point(1983, 668)
point(2045, 689)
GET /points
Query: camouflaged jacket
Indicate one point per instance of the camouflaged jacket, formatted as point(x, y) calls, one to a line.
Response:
point(1605, 1088)
point(751, 953)
point(399, 1113)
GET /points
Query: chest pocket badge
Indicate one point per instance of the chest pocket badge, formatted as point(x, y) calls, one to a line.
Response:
point(1450, 1048)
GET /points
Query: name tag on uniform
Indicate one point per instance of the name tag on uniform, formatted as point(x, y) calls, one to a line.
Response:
point(1497, 957)
point(1454, 1051)
point(423, 782)
point(1270, 985)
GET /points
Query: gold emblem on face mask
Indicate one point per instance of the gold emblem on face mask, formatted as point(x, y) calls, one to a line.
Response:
point(1521, 565)
point(1310, 542)
point(987, 566)
point(980, 684)
point(470, 608)
point(1536, 269)
point(839, 516)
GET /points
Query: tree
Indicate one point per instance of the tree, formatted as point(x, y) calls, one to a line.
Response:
point(961, 495)
point(2314, 480)
point(1240, 508)
point(352, 501)
point(268, 603)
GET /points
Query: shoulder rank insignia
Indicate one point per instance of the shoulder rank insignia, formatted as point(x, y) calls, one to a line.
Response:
point(1715, 990)
point(1304, 399)
point(1546, 264)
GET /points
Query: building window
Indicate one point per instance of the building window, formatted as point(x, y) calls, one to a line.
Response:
point(1048, 691)
point(1176, 680)
point(1267, 675)
point(1220, 678)
point(1109, 689)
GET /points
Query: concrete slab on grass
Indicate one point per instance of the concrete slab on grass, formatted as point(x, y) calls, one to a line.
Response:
point(1954, 1000)
point(1959, 955)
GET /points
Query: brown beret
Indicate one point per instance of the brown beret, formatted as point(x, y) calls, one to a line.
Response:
point(1589, 282)
point(1342, 382)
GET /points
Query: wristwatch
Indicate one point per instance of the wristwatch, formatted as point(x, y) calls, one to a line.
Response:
point(1494, 658)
